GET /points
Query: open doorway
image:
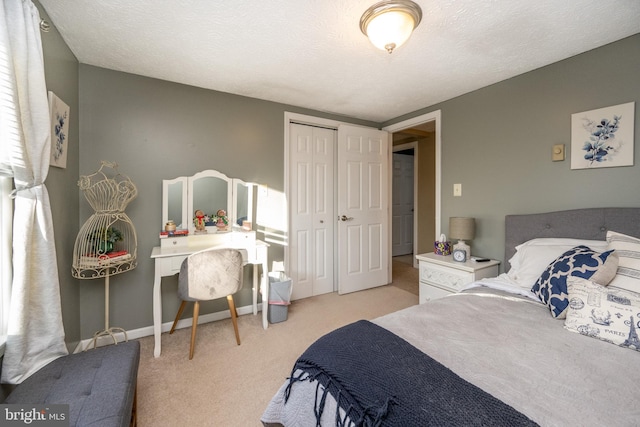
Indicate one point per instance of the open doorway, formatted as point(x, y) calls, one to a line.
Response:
point(403, 273)
point(419, 139)
point(403, 201)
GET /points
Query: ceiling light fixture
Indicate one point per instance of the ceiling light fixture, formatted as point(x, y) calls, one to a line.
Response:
point(389, 24)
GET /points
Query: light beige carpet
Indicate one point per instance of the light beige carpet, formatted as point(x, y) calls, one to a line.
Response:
point(230, 385)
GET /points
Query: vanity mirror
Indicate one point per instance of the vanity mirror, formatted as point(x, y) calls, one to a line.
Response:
point(243, 193)
point(174, 191)
point(208, 191)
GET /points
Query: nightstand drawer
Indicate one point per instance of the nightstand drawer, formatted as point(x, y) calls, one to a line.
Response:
point(440, 275)
point(428, 293)
point(444, 276)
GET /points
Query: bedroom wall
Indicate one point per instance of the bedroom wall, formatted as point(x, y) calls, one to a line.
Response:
point(61, 75)
point(159, 130)
point(426, 198)
point(497, 142)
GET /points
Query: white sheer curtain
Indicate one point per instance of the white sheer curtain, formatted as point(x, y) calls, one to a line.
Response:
point(6, 275)
point(35, 333)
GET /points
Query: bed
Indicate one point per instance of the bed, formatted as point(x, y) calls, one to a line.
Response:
point(546, 343)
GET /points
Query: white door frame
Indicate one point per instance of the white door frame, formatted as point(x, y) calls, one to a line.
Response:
point(405, 124)
point(411, 146)
point(409, 123)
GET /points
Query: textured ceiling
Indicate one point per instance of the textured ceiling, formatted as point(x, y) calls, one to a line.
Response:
point(312, 54)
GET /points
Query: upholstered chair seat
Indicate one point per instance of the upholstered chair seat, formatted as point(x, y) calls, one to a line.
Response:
point(209, 275)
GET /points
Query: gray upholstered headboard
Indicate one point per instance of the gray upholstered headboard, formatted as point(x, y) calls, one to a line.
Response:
point(591, 223)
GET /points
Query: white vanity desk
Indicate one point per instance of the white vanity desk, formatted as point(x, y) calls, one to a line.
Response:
point(169, 256)
point(208, 191)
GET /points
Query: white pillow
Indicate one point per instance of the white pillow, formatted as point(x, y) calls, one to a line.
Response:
point(628, 250)
point(534, 256)
point(608, 314)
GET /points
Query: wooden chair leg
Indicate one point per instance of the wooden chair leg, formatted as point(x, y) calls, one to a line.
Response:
point(196, 310)
point(175, 322)
point(234, 316)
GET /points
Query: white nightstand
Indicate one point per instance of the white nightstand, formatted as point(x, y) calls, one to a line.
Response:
point(441, 275)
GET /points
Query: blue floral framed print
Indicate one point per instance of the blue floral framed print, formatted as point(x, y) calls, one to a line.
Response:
point(59, 131)
point(603, 138)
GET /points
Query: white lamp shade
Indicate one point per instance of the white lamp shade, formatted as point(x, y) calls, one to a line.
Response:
point(390, 30)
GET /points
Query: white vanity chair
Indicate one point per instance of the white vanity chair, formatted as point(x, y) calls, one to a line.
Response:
point(208, 191)
point(209, 275)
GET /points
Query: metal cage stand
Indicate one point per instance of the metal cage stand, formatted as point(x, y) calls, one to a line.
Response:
point(107, 243)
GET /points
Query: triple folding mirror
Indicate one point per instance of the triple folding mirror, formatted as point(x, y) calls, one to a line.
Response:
point(208, 191)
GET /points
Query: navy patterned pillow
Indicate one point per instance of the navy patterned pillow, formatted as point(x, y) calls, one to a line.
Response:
point(580, 261)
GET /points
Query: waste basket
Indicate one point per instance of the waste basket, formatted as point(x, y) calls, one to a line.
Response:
point(279, 297)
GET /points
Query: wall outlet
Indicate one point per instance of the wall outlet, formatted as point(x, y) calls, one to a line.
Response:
point(457, 190)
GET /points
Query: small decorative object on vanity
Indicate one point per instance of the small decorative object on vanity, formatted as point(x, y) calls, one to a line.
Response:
point(222, 222)
point(462, 229)
point(441, 275)
point(199, 220)
point(170, 226)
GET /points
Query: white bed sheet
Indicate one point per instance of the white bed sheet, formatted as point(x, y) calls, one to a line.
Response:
point(506, 283)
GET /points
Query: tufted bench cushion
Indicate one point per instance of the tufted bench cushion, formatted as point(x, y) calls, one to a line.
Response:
point(98, 385)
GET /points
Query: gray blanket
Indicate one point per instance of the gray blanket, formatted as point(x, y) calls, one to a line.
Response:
point(513, 349)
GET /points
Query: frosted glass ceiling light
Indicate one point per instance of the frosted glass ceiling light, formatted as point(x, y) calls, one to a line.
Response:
point(389, 24)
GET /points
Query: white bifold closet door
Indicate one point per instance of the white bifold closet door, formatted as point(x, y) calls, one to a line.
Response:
point(312, 209)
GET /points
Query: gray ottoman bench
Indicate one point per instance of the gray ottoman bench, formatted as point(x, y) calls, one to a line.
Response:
point(99, 385)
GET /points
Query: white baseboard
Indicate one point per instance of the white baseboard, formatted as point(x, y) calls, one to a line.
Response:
point(148, 330)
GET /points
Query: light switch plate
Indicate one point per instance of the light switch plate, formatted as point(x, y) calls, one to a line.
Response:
point(457, 190)
point(557, 155)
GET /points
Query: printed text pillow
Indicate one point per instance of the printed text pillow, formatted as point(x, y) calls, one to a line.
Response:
point(580, 261)
point(609, 314)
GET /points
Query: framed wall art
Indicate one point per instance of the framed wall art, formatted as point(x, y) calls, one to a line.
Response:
point(59, 131)
point(603, 138)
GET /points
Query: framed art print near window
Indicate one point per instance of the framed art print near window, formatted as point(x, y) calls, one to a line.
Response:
point(59, 131)
point(603, 138)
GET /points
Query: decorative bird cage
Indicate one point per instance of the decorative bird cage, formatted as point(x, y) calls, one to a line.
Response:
point(107, 242)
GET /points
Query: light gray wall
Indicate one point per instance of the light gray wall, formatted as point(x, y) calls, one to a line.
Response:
point(158, 130)
point(61, 74)
point(426, 197)
point(497, 142)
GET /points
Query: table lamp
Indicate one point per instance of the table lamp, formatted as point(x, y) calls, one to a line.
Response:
point(462, 229)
